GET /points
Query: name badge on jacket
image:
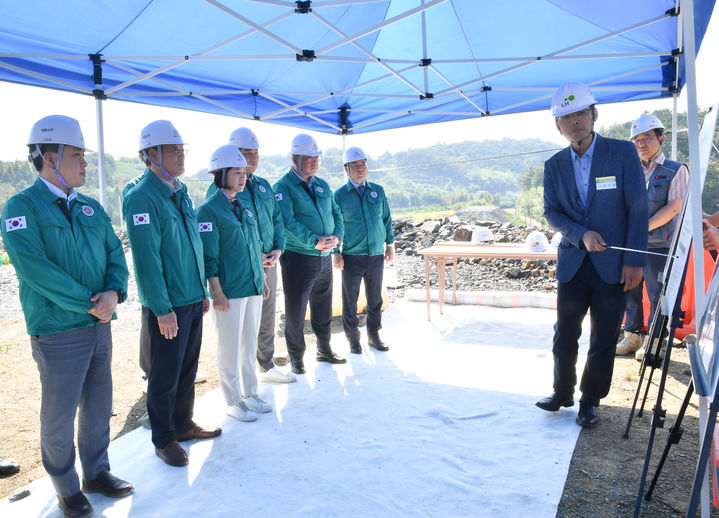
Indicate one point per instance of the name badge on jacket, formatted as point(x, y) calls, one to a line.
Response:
point(606, 182)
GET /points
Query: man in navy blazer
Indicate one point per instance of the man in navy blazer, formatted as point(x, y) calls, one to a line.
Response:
point(594, 194)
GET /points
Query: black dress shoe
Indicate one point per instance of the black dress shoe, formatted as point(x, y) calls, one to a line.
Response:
point(587, 416)
point(108, 484)
point(298, 366)
point(75, 506)
point(554, 402)
point(355, 346)
point(8, 468)
point(374, 341)
point(330, 357)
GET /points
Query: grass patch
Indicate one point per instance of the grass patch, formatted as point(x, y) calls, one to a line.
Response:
point(5, 259)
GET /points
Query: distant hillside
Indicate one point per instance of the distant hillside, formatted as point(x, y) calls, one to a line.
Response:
point(439, 175)
point(436, 177)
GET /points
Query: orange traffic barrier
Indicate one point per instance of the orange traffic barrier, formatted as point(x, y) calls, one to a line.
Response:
point(687, 295)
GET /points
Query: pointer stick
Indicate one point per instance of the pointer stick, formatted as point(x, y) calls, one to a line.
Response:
point(642, 251)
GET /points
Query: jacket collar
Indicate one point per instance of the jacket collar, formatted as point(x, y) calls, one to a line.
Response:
point(162, 186)
point(49, 196)
point(349, 186)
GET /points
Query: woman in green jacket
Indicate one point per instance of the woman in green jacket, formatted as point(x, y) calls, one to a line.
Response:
point(233, 267)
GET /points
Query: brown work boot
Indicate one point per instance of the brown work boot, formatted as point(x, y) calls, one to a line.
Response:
point(173, 454)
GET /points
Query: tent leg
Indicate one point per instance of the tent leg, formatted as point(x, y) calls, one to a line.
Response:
point(695, 200)
point(344, 148)
point(674, 126)
point(100, 153)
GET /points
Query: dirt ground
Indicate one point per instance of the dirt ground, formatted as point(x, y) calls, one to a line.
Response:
point(605, 470)
point(603, 476)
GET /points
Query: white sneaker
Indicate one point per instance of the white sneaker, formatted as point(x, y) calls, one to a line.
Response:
point(255, 403)
point(200, 377)
point(276, 375)
point(631, 342)
point(241, 412)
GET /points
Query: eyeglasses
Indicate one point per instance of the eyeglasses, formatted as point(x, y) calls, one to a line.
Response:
point(178, 150)
point(360, 166)
point(643, 141)
point(581, 113)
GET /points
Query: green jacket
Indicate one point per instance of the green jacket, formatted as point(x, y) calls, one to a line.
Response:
point(132, 183)
point(232, 246)
point(166, 245)
point(269, 218)
point(307, 219)
point(367, 219)
point(60, 265)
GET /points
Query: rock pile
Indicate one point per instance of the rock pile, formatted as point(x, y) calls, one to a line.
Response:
point(472, 274)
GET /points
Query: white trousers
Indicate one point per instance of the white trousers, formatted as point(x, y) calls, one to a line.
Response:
point(237, 347)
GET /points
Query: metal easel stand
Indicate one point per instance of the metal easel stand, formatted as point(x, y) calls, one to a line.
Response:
point(660, 413)
point(652, 358)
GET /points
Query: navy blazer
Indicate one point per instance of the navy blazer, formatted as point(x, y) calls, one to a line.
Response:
point(617, 212)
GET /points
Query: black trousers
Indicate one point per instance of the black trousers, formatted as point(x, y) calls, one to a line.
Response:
point(587, 290)
point(171, 387)
point(357, 268)
point(306, 278)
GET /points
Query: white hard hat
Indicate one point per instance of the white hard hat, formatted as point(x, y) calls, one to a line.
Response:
point(225, 157)
point(643, 124)
point(244, 138)
point(57, 129)
point(536, 241)
point(482, 235)
point(571, 97)
point(158, 133)
point(352, 154)
point(556, 239)
point(304, 144)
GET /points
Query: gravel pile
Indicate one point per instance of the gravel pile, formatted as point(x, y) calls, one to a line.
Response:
point(472, 274)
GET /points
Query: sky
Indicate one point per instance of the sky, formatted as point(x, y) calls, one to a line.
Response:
point(21, 106)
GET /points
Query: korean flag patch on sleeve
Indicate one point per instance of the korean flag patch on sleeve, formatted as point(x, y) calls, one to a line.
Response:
point(278, 196)
point(15, 223)
point(205, 227)
point(141, 219)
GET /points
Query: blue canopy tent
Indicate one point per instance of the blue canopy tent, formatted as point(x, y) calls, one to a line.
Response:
point(348, 66)
point(353, 66)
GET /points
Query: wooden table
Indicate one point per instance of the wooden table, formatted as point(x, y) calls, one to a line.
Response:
point(436, 257)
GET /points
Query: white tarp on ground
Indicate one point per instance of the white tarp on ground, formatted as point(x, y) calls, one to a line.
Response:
point(444, 424)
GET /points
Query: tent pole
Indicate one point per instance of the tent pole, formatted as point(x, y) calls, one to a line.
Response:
point(100, 153)
point(675, 129)
point(99, 95)
point(344, 148)
point(695, 197)
point(424, 50)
